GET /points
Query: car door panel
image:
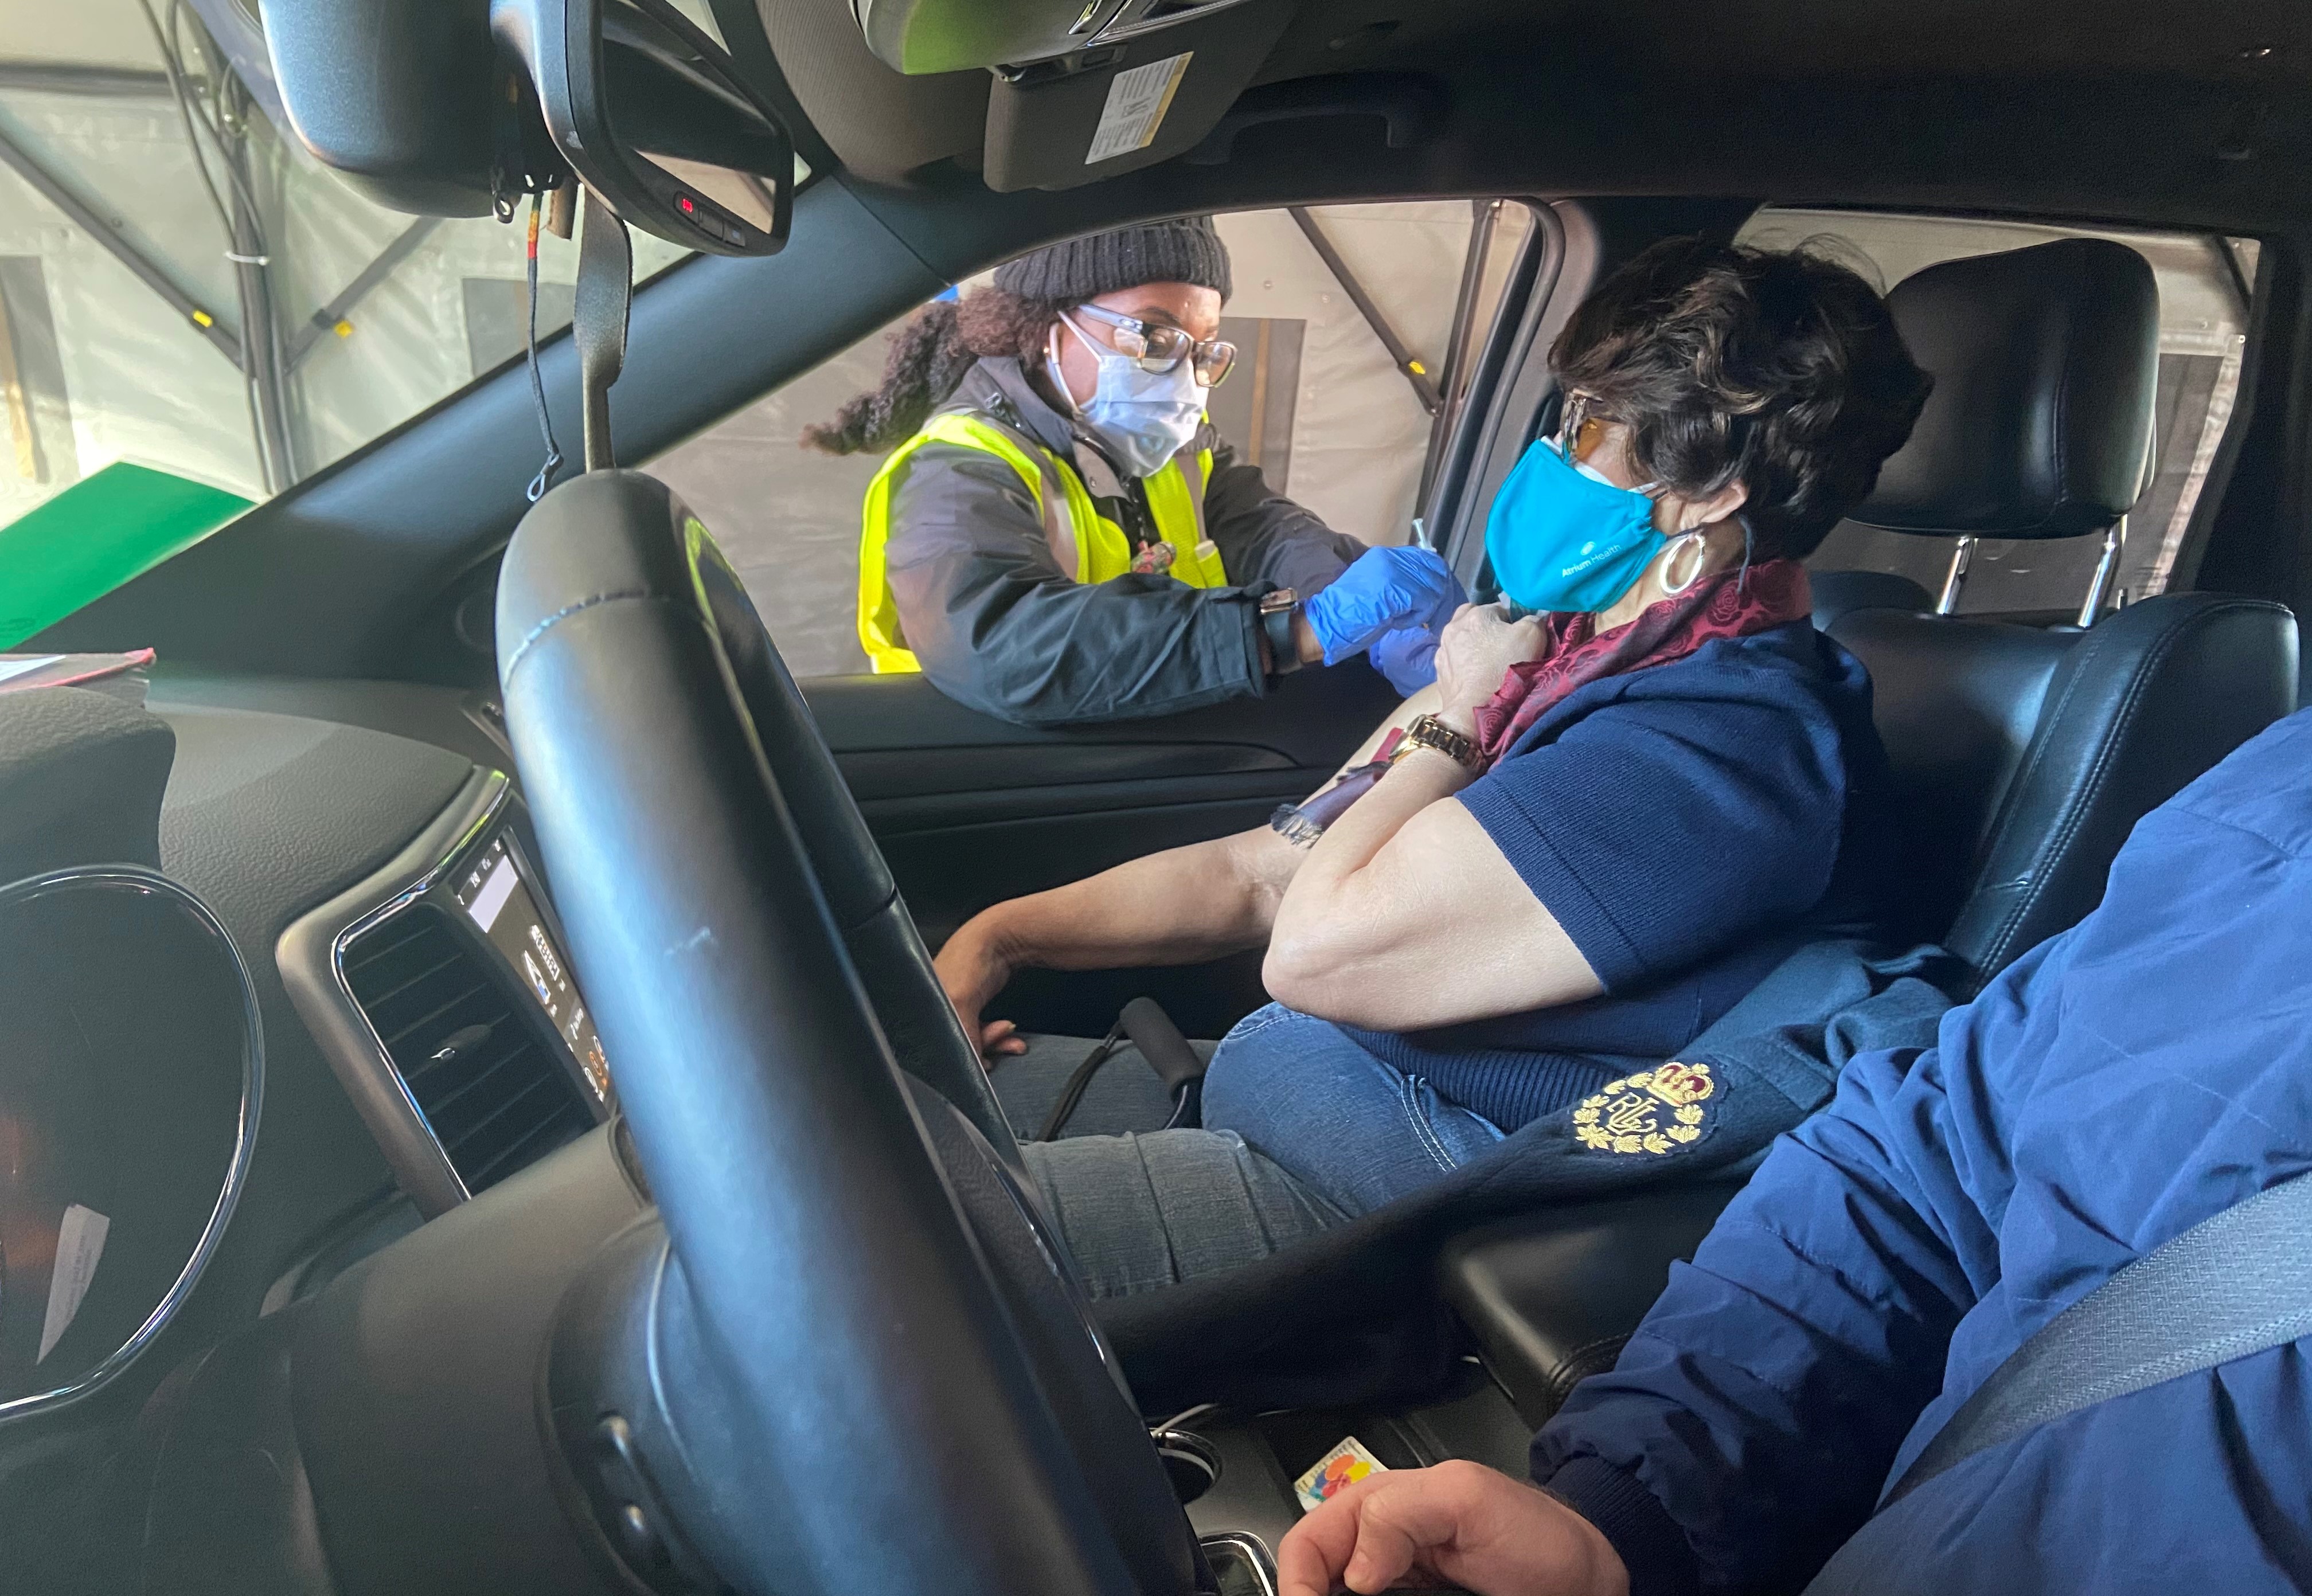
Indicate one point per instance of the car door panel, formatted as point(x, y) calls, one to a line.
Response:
point(970, 810)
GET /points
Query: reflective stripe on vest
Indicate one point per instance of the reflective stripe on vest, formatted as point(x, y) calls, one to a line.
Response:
point(1087, 546)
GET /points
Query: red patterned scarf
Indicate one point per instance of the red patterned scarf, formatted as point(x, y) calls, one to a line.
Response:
point(1727, 604)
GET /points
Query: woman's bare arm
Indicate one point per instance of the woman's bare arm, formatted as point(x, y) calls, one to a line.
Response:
point(1181, 906)
point(1406, 915)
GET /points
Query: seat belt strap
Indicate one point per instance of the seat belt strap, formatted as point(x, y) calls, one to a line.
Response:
point(598, 319)
point(2234, 1285)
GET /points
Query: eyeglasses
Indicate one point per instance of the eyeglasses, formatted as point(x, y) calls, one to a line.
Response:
point(1158, 348)
point(1582, 428)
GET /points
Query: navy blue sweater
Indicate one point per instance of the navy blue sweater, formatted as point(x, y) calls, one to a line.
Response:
point(1689, 825)
point(2113, 1087)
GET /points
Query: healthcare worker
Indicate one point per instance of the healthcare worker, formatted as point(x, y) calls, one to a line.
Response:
point(1060, 536)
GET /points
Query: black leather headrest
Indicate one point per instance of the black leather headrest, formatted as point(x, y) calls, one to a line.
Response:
point(2046, 363)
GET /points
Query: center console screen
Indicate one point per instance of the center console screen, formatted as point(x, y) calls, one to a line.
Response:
point(494, 896)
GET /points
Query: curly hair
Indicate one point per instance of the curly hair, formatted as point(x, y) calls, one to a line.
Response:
point(1781, 370)
point(928, 359)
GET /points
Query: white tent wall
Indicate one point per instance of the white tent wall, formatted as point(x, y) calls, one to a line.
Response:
point(139, 382)
point(1358, 433)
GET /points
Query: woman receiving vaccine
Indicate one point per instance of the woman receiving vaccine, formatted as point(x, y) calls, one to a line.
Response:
point(1059, 536)
point(1632, 792)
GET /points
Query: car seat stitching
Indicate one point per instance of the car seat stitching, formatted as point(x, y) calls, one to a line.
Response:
point(2098, 773)
point(2034, 757)
point(2068, 823)
point(2062, 408)
point(2106, 754)
point(2130, 710)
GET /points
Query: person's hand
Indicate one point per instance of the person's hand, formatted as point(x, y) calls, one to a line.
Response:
point(1407, 656)
point(1477, 651)
point(1455, 1524)
point(1383, 589)
point(973, 967)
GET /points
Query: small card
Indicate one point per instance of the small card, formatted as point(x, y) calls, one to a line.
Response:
point(1335, 1472)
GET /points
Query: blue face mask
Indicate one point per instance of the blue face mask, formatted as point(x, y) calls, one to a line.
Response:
point(1142, 418)
point(1562, 538)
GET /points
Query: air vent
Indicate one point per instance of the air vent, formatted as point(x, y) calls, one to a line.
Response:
point(491, 1092)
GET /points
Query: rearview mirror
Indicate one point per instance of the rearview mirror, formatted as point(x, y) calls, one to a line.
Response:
point(654, 117)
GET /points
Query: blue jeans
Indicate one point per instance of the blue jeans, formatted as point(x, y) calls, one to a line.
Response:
point(1354, 1130)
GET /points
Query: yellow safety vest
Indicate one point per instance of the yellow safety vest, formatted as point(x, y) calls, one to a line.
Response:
point(1090, 547)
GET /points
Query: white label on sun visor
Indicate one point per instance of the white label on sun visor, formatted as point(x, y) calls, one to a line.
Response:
point(80, 1242)
point(1137, 101)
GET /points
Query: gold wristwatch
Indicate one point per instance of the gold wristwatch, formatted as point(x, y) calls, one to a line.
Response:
point(1429, 732)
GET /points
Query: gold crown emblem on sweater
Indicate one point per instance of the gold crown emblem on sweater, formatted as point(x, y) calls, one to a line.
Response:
point(1654, 1110)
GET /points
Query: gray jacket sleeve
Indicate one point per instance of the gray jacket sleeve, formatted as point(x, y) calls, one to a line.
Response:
point(998, 625)
point(1265, 537)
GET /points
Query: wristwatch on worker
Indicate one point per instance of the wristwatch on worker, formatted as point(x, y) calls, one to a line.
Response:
point(1427, 731)
point(1277, 609)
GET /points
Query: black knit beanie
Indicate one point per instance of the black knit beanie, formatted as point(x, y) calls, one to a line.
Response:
point(1187, 251)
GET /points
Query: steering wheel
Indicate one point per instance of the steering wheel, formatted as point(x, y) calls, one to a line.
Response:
point(875, 1368)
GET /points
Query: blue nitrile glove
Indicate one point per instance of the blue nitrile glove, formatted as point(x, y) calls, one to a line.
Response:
point(1384, 588)
point(1407, 656)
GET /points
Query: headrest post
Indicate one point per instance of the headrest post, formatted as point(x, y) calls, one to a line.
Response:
point(1955, 578)
point(2114, 540)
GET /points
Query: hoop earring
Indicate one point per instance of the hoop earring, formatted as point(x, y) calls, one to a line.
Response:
point(1693, 539)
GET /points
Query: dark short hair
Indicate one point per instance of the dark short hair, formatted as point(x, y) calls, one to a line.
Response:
point(1779, 369)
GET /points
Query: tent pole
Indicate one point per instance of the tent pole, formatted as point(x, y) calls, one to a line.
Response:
point(390, 259)
point(1452, 377)
point(19, 160)
point(1405, 359)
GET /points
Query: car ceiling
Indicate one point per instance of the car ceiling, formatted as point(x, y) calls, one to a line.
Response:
point(2116, 108)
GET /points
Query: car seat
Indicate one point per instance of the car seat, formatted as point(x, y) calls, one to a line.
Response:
point(2024, 754)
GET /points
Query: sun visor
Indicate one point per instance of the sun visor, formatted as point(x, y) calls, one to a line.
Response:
point(1084, 89)
point(1119, 106)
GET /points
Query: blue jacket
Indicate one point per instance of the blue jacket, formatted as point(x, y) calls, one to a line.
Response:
point(2115, 1087)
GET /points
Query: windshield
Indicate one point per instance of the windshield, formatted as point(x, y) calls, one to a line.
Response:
point(194, 315)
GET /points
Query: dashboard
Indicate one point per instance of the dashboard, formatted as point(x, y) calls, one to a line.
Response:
point(441, 991)
point(151, 1020)
point(422, 1033)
